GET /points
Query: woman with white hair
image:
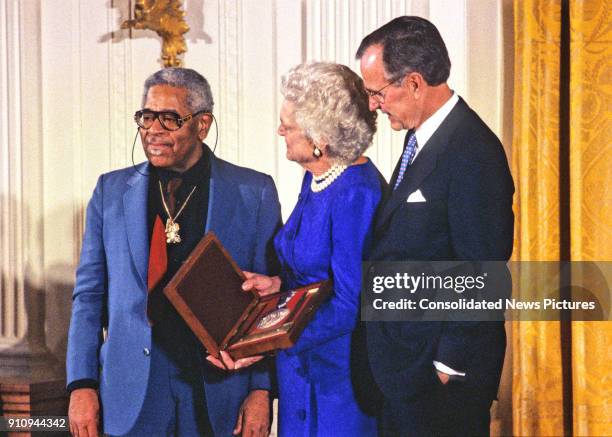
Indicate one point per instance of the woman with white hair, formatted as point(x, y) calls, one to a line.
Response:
point(327, 126)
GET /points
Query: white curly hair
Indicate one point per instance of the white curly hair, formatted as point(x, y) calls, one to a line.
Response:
point(331, 107)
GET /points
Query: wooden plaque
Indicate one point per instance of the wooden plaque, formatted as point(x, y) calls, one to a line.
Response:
point(207, 292)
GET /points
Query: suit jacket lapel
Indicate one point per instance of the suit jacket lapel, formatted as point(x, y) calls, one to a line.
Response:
point(221, 201)
point(135, 213)
point(415, 174)
point(423, 165)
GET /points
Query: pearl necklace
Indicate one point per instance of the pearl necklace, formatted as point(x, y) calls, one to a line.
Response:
point(319, 183)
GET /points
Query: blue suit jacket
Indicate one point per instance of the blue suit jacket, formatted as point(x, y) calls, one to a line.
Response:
point(464, 176)
point(111, 287)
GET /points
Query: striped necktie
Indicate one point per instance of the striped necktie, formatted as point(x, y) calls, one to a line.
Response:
point(407, 157)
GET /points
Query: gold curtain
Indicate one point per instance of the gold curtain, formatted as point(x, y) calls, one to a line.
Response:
point(591, 202)
point(537, 395)
point(538, 404)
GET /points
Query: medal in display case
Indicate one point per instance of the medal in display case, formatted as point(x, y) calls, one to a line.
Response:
point(207, 292)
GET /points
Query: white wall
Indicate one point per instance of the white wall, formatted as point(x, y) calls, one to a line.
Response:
point(70, 81)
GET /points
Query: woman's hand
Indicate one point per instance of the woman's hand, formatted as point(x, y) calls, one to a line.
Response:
point(263, 284)
point(227, 363)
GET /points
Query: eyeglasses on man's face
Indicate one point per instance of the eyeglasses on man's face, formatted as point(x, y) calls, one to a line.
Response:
point(378, 95)
point(169, 120)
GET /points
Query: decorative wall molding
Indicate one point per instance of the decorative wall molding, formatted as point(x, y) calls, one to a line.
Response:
point(120, 109)
point(12, 285)
point(230, 80)
point(23, 351)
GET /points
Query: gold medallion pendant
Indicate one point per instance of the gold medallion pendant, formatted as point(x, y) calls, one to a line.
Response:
point(172, 227)
point(172, 232)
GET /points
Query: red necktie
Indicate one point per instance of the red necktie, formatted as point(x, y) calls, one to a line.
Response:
point(158, 257)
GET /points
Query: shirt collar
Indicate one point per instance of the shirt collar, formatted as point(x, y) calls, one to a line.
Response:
point(426, 130)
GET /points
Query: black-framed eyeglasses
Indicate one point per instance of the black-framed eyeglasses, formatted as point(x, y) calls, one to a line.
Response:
point(169, 120)
point(378, 95)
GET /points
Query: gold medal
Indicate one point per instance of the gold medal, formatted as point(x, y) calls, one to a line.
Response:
point(172, 232)
point(172, 227)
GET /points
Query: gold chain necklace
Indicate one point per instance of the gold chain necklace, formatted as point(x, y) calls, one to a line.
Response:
point(172, 228)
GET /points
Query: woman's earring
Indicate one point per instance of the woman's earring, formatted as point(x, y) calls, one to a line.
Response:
point(317, 152)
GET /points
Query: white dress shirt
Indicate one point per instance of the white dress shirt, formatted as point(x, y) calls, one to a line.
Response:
point(423, 133)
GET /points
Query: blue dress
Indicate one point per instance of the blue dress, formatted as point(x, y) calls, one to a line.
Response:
point(325, 237)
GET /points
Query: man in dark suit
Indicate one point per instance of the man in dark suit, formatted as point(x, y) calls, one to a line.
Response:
point(450, 198)
point(147, 375)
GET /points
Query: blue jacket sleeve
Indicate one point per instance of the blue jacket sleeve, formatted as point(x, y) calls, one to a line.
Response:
point(351, 220)
point(268, 222)
point(88, 299)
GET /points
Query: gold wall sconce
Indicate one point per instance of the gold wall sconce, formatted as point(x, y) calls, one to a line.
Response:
point(167, 19)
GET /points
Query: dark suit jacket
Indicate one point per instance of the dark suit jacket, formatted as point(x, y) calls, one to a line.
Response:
point(463, 174)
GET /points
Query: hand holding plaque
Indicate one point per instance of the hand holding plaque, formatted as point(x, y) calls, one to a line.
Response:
point(226, 362)
point(207, 292)
point(263, 284)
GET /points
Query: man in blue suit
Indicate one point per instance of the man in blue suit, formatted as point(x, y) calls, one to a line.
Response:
point(131, 358)
point(450, 198)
